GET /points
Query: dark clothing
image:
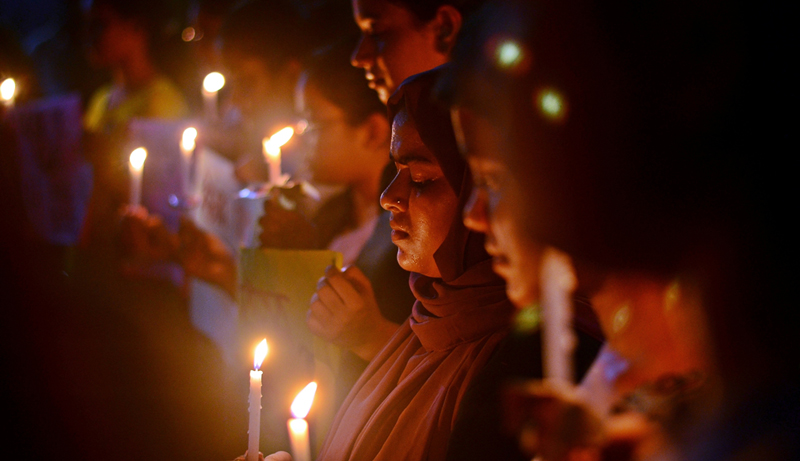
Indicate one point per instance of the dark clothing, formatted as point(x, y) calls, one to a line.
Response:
point(479, 432)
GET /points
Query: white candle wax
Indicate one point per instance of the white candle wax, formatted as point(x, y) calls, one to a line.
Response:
point(187, 149)
point(298, 437)
point(211, 86)
point(272, 154)
point(254, 428)
point(298, 427)
point(558, 342)
point(135, 167)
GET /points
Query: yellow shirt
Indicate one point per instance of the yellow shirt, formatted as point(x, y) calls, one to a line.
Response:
point(110, 107)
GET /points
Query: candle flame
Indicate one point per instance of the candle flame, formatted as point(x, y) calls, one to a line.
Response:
point(302, 403)
point(188, 138)
point(213, 82)
point(137, 158)
point(261, 353)
point(273, 144)
point(7, 89)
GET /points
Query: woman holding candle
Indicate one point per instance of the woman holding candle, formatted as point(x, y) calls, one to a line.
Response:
point(412, 389)
point(122, 34)
point(569, 153)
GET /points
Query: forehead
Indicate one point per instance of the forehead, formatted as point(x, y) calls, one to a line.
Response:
point(407, 146)
point(383, 10)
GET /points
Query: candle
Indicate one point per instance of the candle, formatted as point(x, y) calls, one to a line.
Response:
point(187, 149)
point(136, 165)
point(8, 92)
point(272, 153)
point(558, 283)
point(211, 86)
point(298, 427)
point(254, 428)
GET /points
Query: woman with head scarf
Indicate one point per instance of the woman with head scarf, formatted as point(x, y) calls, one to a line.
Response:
point(404, 404)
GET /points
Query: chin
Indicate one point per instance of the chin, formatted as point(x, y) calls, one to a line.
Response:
point(520, 294)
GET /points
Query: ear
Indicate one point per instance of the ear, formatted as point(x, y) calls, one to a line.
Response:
point(447, 23)
point(374, 134)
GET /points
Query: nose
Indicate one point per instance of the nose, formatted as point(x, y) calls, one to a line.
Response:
point(363, 55)
point(476, 215)
point(395, 197)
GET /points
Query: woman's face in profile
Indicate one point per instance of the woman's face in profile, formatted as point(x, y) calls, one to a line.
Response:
point(422, 202)
point(394, 45)
point(498, 208)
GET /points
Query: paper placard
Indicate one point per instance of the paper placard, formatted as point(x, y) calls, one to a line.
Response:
point(275, 289)
point(165, 177)
point(56, 181)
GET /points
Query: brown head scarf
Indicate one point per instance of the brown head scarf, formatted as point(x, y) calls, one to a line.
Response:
point(404, 405)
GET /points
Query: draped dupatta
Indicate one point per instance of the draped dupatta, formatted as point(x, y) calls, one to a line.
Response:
point(404, 405)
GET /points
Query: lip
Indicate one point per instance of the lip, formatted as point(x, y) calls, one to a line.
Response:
point(398, 232)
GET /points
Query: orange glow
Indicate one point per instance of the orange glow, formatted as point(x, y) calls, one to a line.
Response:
point(261, 353)
point(302, 403)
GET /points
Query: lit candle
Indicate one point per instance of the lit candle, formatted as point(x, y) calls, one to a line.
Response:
point(211, 86)
point(187, 149)
point(137, 159)
point(298, 427)
point(272, 153)
point(558, 340)
point(255, 401)
point(8, 92)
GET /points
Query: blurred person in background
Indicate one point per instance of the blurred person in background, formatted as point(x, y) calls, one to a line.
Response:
point(608, 133)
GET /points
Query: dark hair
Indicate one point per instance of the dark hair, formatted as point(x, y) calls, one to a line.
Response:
point(273, 31)
point(330, 72)
point(425, 10)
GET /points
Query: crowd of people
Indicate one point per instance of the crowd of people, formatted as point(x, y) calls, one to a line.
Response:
point(489, 168)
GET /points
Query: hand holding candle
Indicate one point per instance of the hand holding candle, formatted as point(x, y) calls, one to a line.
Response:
point(136, 166)
point(272, 154)
point(255, 401)
point(298, 427)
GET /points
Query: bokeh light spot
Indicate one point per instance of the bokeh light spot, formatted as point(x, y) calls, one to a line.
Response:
point(7, 89)
point(509, 54)
point(213, 82)
point(188, 34)
point(551, 103)
point(622, 317)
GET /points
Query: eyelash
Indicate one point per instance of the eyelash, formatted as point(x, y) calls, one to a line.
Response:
point(421, 184)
